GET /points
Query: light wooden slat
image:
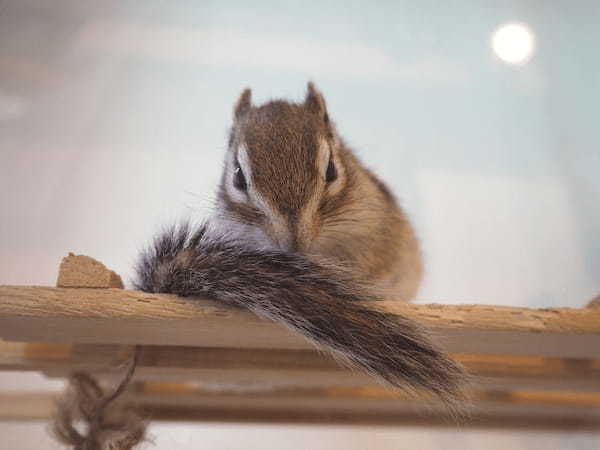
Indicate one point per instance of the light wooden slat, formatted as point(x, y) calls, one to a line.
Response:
point(192, 393)
point(267, 369)
point(371, 405)
point(114, 316)
point(349, 406)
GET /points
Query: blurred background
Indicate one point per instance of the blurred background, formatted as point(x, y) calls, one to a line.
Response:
point(481, 116)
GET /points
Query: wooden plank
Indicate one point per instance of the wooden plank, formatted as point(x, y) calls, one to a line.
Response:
point(374, 406)
point(268, 369)
point(114, 316)
point(540, 418)
point(190, 391)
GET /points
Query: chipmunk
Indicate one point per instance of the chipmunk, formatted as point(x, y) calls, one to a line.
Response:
point(291, 184)
point(302, 233)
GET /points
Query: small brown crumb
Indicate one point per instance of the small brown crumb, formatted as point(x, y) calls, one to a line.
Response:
point(80, 271)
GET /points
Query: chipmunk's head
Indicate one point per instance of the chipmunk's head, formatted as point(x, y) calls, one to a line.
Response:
point(283, 172)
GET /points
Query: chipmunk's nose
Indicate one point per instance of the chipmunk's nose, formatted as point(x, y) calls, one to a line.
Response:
point(290, 233)
point(301, 233)
point(283, 234)
point(293, 244)
point(288, 242)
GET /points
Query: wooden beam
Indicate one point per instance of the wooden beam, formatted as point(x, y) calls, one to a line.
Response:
point(258, 369)
point(115, 316)
point(373, 404)
point(348, 406)
point(202, 360)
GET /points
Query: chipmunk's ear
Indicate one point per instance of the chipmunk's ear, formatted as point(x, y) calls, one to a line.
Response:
point(315, 102)
point(243, 104)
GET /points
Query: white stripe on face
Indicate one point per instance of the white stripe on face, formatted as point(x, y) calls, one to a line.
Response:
point(325, 153)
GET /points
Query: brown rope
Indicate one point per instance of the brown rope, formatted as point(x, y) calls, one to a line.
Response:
point(109, 425)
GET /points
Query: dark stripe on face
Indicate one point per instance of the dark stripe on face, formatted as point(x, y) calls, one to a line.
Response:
point(331, 205)
point(293, 223)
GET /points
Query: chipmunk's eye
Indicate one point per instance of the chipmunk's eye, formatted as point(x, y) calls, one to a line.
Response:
point(331, 174)
point(239, 180)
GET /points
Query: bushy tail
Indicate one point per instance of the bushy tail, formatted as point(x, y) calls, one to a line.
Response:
point(322, 302)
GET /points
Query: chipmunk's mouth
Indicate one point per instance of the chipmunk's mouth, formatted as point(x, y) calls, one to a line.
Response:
point(287, 243)
point(291, 241)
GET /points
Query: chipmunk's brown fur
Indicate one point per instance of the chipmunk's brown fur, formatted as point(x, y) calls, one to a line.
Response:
point(353, 219)
point(302, 232)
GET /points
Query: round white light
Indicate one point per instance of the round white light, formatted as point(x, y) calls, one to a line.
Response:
point(513, 43)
